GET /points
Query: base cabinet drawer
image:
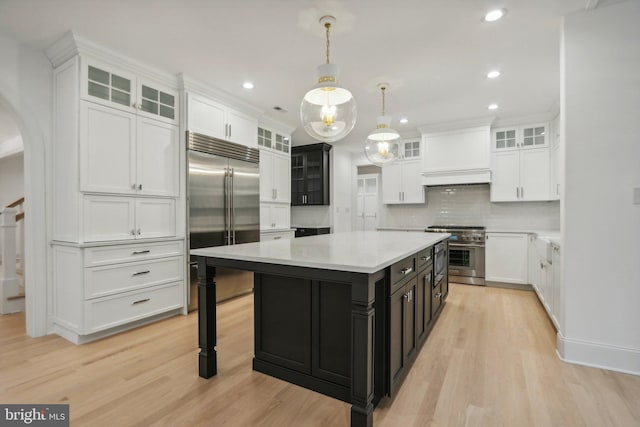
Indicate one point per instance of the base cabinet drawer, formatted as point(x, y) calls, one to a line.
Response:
point(111, 311)
point(111, 279)
point(102, 255)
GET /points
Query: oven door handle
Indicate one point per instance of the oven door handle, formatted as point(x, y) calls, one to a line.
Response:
point(458, 245)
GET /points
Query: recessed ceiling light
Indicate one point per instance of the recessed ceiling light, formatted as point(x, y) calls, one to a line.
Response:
point(247, 85)
point(493, 74)
point(494, 15)
point(493, 107)
point(404, 120)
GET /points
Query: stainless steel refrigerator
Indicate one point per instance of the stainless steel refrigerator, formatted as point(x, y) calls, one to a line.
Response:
point(223, 192)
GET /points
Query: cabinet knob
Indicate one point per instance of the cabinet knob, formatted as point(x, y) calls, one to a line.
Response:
point(139, 231)
point(139, 186)
point(133, 232)
point(133, 186)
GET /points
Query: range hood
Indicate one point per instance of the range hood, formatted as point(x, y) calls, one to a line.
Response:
point(457, 156)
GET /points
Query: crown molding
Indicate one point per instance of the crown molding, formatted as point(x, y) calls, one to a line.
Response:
point(457, 125)
point(523, 120)
point(71, 44)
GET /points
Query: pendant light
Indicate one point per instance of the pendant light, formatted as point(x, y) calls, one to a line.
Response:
point(328, 111)
point(382, 146)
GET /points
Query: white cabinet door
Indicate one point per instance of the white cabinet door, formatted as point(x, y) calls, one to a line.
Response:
point(155, 218)
point(267, 193)
point(412, 189)
point(157, 101)
point(206, 117)
point(107, 149)
point(534, 174)
point(533, 262)
point(504, 139)
point(274, 216)
point(282, 178)
point(107, 85)
point(108, 218)
point(280, 216)
point(505, 176)
point(506, 257)
point(157, 158)
point(242, 129)
point(392, 183)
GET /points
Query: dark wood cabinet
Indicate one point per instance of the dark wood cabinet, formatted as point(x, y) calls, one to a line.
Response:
point(423, 301)
point(312, 231)
point(310, 175)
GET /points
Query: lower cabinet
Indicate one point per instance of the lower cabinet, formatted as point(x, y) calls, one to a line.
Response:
point(311, 231)
point(313, 335)
point(97, 288)
point(413, 306)
point(276, 235)
point(506, 259)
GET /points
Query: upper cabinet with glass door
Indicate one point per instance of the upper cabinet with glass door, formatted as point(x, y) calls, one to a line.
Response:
point(273, 140)
point(520, 137)
point(410, 149)
point(120, 89)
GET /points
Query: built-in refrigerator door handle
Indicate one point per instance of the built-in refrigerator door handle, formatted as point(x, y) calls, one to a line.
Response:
point(227, 217)
point(233, 213)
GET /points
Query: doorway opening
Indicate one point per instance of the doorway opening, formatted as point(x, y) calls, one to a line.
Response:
point(367, 200)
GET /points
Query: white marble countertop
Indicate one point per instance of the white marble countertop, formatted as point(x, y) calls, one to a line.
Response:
point(310, 226)
point(401, 229)
point(355, 251)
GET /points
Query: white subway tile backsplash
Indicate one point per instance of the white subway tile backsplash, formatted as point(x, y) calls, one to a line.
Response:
point(469, 205)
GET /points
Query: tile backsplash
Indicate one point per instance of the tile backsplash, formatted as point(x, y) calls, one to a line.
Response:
point(469, 205)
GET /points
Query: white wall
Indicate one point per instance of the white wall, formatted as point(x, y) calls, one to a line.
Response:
point(26, 92)
point(600, 103)
point(342, 188)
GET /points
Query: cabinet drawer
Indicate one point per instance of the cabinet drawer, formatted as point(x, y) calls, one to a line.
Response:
point(127, 253)
point(436, 298)
point(279, 235)
point(110, 279)
point(105, 313)
point(403, 269)
point(425, 258)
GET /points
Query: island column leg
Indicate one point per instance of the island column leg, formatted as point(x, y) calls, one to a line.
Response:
point(362, 350)
point(208, 359)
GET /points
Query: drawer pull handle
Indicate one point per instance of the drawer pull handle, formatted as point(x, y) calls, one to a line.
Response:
point(140, 252)
point(141, 301)
point(277, 238)
point(425, 258)
point(141, 272)
point(406, 271)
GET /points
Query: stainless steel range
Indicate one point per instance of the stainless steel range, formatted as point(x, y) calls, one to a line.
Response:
point(466, 253)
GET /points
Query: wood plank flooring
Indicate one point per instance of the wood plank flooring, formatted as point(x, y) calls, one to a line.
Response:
point(489, 361)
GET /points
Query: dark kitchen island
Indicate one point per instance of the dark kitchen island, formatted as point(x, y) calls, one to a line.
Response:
point(342, 314)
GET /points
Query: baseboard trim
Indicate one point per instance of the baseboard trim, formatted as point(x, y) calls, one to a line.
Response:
point(597, 355)
point(517, 286)
point(76, 338)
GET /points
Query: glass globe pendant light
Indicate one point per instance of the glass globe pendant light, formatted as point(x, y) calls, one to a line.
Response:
point(328, 111)
point(382, 145)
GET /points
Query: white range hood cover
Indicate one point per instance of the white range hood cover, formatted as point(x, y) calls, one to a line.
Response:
point(457, 154)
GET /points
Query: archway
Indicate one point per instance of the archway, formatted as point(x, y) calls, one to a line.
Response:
point(36, 236)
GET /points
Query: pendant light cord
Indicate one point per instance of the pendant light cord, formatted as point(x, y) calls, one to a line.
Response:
point(383, 88)
point(327, 25)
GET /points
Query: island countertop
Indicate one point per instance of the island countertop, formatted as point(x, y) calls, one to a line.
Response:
point(353, 251)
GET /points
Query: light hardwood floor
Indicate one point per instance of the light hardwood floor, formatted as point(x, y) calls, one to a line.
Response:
point(489, 361)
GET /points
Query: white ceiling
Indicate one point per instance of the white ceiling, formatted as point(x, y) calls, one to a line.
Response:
point(434, 53)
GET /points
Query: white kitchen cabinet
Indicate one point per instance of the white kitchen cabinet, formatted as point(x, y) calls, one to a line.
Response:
point(557, 165)
point(275, 216)
point(276, 235)
point(401, 183)
point(520, 175)
point(506, 257)
point(99, 288)
point(532, 267)
point(108, 218)
point(116, 166)
point(116, 88)
point(275, 177)
point(217, 120)
point(520, 164)
point(145, 150)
